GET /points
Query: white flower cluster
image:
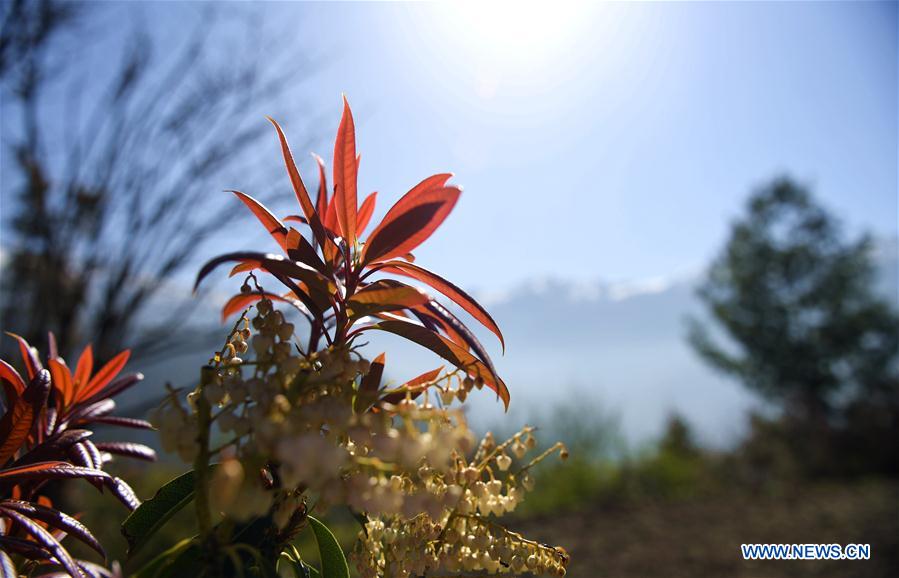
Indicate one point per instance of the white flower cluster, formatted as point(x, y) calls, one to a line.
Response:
point(461, 535)
point(177, 427)
point(401, 462)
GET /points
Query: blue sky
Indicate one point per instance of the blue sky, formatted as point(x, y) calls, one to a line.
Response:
point(593, 141)
point(619, 143)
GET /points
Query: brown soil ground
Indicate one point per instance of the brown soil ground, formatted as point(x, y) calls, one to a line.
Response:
point(701, 538)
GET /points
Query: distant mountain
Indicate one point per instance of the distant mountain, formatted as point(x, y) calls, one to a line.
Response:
point(604, 347)
point(617, 348)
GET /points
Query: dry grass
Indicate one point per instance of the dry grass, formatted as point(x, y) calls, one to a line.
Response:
point(700, 538)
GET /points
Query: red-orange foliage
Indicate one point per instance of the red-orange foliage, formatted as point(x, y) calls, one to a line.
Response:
point(330, 275)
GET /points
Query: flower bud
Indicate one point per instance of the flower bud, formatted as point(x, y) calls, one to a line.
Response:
point(285, 332)
point(262, 343)
point(528, 482)
point(494, 487)
point(519, 449)
point(264, 307)
point(447, 396)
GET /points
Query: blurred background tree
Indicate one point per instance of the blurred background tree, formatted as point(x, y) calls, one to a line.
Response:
point(806, 328)
point(110, 201)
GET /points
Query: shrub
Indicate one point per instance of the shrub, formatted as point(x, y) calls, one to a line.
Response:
point(44, 436)
point(279, 429)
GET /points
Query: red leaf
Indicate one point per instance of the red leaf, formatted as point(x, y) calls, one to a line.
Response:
point(105, 375)
point(345, 174)
point(385, 295)
point(83, 370)
point(426, 377)
point(243, 267)
point(93, 452)
point(320, 288)
point(51, 345)
point(25, 548)
point(365, 212)
point(271, 223)
point(131, 450)
point(125, 422)
point(372, 380)
point(299, 249)
point(123, 492)
point(45, 539)
point(321, 201)
point(7, 568)
point(327, 212)
point(331, 251)
point(29, 355)
point(79, 456)
point(460, 297)
point(32, 469)
point(115, 388)
point(11, 376)
point(240, 302)
point(50, 420)
point(89, 410)
point(298, 187)
point(56, 519)
point(431, 321)
point(18, 419)
point(412, 219)
point(331, 218)
point(62, 381)
point(458, 332)
point(47, 470)
point(243, 300)
point(448, 350)
point(368, 387)
point(412, 384)
point(53, 446)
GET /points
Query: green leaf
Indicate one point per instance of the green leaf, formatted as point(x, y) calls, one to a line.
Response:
point(173, 558)
point(333, 561)
point(151, 515)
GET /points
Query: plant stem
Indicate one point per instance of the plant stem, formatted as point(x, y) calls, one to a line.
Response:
point(201, 462)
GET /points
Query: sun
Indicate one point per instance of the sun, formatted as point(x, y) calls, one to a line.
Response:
point(515, 44)
point(516, 33)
